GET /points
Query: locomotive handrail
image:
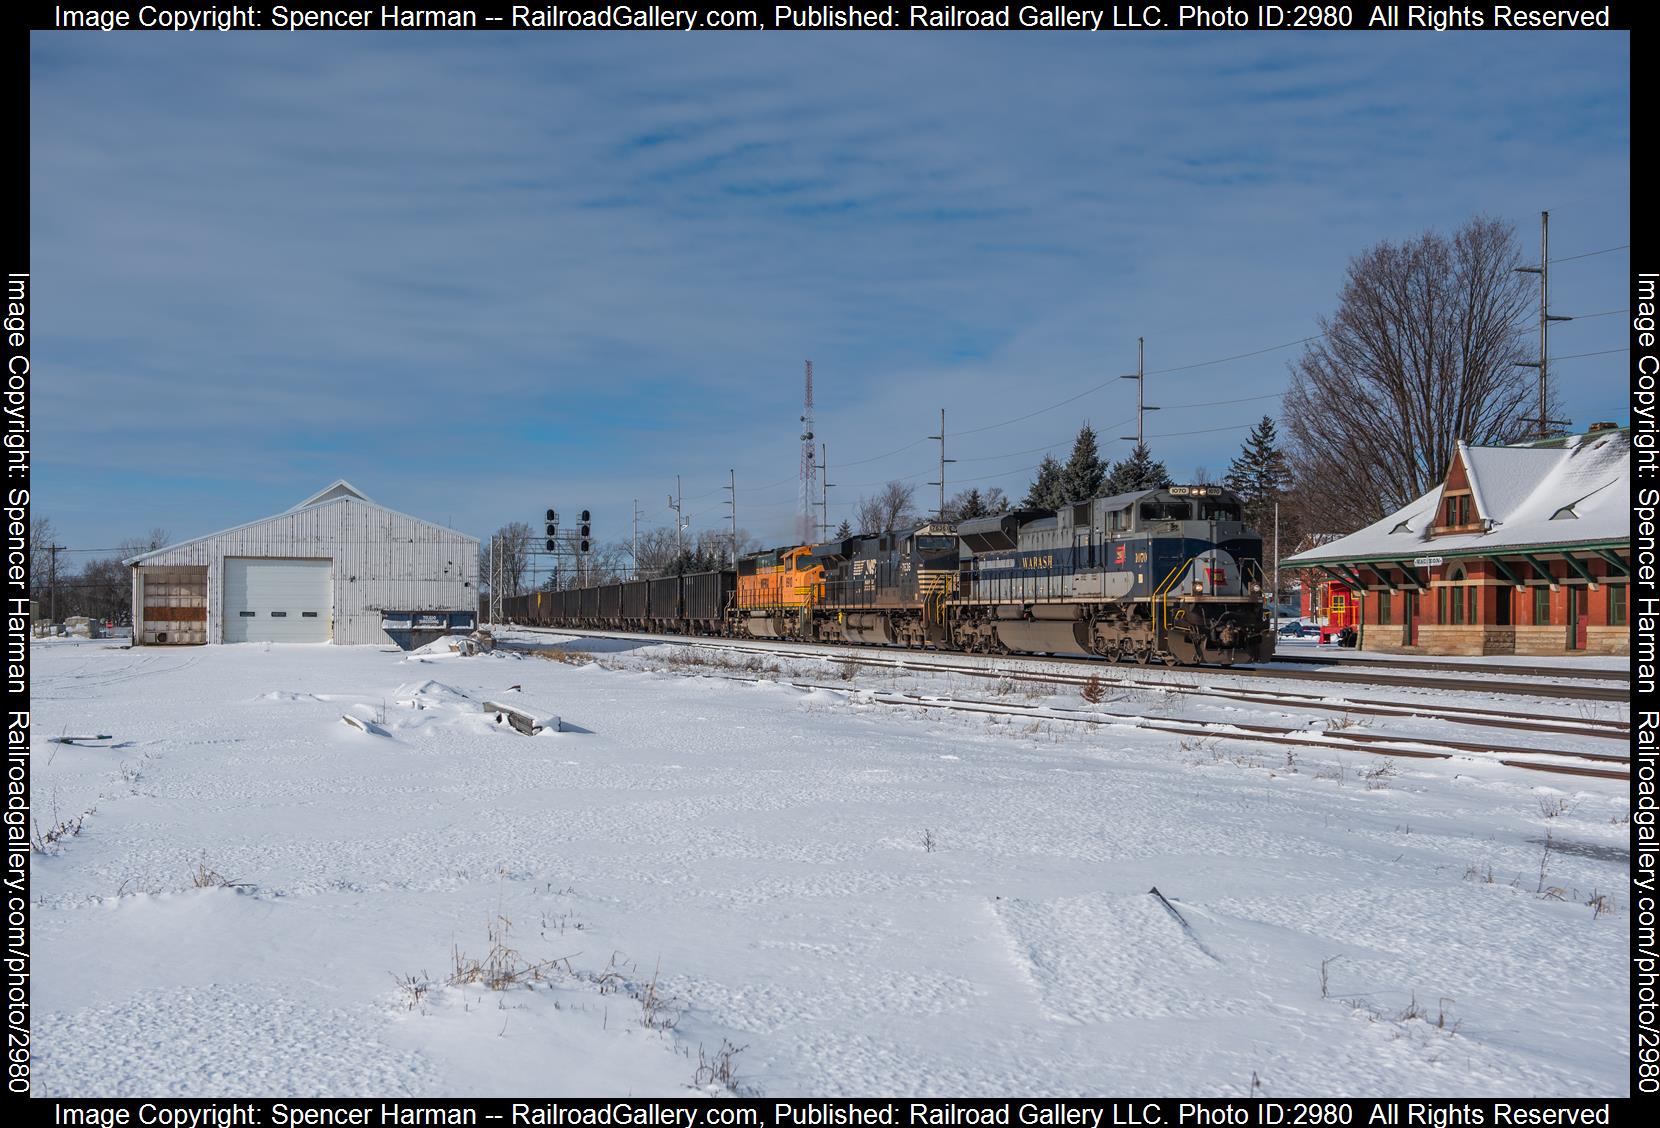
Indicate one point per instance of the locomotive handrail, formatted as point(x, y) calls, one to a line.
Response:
point(1161, 596)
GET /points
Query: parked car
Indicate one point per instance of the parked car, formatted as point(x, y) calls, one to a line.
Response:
point(1293, 629)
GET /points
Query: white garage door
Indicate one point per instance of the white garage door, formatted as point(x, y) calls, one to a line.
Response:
point(277, 600)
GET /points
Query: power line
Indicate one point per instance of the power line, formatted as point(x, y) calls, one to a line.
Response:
point(1593, 254)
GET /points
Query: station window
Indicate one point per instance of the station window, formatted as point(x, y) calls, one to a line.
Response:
point(1386, 614)
point(1616, 605)
point(1541, 606)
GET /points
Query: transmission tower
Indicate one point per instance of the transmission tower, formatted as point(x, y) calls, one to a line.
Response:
point(809, 468)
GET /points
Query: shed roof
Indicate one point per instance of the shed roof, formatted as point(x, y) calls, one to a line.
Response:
point(338, 492)
point(1528, 496)
point(336, 489)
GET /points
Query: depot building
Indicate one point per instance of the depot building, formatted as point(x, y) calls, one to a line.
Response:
point(1521, 549)
point(337, 567)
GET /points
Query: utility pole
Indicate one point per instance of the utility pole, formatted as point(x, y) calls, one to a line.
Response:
point(824, 490)
point(1276, 568)
point(635, 552)
point(943, 461)
point(733, 502)
point(809, 469)
point(679, 529)
point(1545, 422)
point(52, 583)
point(1140, 378)
point(493, 589)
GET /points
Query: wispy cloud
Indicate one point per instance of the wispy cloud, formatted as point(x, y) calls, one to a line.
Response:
point(483, 274)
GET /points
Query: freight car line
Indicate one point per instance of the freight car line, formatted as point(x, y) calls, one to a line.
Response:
point(1525, 689)
point(1456, 714)
point(1374, 743)
point(1456, 668)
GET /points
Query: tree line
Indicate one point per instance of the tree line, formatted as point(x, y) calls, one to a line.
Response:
point(100, 587)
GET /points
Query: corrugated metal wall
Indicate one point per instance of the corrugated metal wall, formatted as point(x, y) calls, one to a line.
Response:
point(383, 561)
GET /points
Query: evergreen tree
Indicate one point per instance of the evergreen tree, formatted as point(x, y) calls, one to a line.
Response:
point(966, 506)
point(844, 530)
point(1084, 473)
point(1260, 475)
point(1046, 489)
point(1139, 471)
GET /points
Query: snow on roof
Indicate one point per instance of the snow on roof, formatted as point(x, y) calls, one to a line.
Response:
point(1529, 496)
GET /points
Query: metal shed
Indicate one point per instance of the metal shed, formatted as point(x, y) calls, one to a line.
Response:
point(337, 567)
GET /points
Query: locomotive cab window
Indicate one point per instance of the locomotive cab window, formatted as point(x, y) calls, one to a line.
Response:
point(936, 544)
point(1118, 519)
point(1166, 511)
point(1219, 511)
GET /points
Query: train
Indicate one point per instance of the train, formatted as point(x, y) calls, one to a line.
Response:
point(1170, 575)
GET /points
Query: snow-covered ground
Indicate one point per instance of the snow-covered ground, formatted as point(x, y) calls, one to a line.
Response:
point(1309, 645)
point(865, 899)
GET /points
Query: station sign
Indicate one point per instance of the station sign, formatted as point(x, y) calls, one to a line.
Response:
point(1427, 561)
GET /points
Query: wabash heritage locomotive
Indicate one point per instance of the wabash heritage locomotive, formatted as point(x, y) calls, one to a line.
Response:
point(1170, 575)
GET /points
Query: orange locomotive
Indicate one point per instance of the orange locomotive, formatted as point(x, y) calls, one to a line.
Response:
point(777, 591)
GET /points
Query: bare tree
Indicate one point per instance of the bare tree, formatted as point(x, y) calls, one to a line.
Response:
point(41, 533)
point(890, 509)
point(1422, 352)
point(149, 542)
point(656, 552)
point(513, 542)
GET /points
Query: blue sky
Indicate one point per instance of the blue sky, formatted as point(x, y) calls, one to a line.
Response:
point(482, 274)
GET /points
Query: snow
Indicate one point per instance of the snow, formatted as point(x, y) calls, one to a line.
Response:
point(1521, 489)
point(864, 898)
point(1616, 665)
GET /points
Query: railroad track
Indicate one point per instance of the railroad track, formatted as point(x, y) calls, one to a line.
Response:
point(1136, 677)
point(1456, 667)
point(1376, 744)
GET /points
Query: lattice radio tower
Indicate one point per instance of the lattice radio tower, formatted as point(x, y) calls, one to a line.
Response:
point(809, 467)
